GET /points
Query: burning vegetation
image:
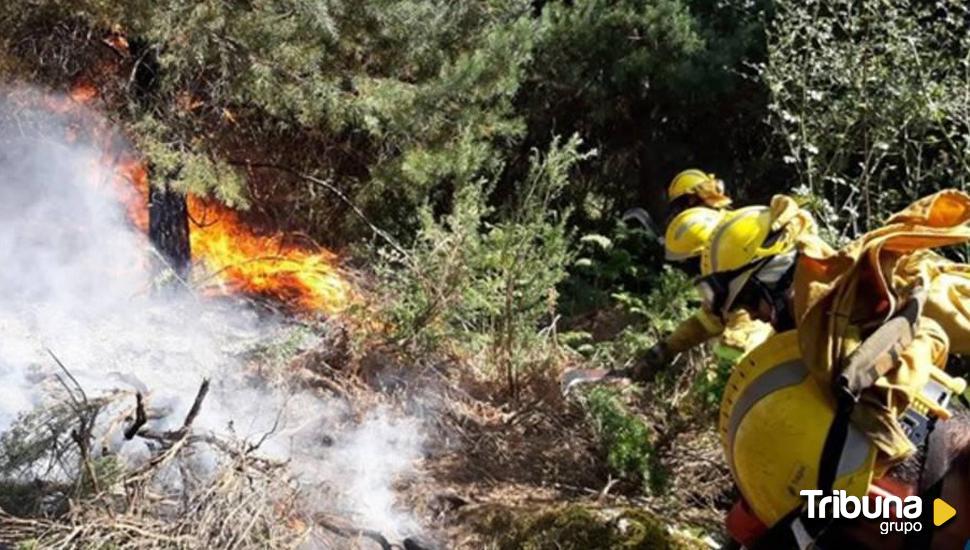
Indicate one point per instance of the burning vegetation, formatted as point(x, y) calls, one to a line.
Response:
point(89, 454)
point(229, 256)
point(236, 260)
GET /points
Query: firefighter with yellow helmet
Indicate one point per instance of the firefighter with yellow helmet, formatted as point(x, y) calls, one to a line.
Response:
point(690, 236)
point(693, 187)
point(697, 203)
point(853, 383)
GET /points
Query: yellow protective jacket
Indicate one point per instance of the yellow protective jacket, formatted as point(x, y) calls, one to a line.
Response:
point(948, 300)
point(841, 296)
point(740, 332)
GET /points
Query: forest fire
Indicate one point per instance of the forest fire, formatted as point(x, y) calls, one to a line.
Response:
point(233, 257)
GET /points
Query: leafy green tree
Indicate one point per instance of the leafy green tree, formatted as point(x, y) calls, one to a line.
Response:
point(657, 86)
point(393, 100)
point(870, 100)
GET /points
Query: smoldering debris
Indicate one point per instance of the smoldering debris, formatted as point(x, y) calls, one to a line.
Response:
point(245, 501)
point(76, 279)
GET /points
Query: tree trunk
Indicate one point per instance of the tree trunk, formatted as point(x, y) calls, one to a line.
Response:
point(168, 228)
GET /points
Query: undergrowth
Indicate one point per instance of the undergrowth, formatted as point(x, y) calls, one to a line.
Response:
point(624, 437)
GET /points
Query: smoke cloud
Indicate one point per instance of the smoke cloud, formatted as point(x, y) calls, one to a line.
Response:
point(75, 279)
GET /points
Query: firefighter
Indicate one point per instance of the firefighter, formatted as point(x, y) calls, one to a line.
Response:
point(687, 234)
point(848, 395)
point(729, 246)
point(693, 187)
point(696, 204)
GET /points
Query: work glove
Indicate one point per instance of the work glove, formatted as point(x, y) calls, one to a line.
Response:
point(651, 363)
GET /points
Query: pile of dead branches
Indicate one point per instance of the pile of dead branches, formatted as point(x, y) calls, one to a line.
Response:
point(193, 490)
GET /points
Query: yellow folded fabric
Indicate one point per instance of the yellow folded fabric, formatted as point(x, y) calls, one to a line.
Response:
point(842, 295)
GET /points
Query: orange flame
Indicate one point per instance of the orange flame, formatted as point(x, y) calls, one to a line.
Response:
point(238, 260)
point(233, 257)
point(131, 187)
point(83, 91)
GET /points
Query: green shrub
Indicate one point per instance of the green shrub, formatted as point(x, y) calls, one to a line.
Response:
point(482, 281)
point(870, 102)
point(710, 383)
point(652, 306)
point(670, 300)
point(624, 437)
point(623, 260)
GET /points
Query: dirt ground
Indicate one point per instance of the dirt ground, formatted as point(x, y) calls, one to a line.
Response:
point(530, 473)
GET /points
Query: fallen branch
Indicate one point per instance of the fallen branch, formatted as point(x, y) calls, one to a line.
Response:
point(173, 441)
point(172, 271)
point(176, 435)
point(196, 406)
point(315, 380)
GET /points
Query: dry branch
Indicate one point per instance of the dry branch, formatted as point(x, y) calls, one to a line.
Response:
point(196, 406)
point(140, 418)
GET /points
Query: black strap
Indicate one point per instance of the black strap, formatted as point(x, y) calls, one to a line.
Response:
point(828, 466)
point(874, 357)
point(780, 534)
point(934, 454)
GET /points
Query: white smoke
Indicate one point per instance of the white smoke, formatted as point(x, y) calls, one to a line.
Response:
point(74, 280)
point(368, 460)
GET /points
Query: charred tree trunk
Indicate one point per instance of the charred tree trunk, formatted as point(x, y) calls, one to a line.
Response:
point(168, 228)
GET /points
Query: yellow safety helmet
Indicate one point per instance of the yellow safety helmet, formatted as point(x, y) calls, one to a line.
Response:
point(689, 232)
point(743, 247)
point(743, 237)
point(774, 420)
point(697, 182)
